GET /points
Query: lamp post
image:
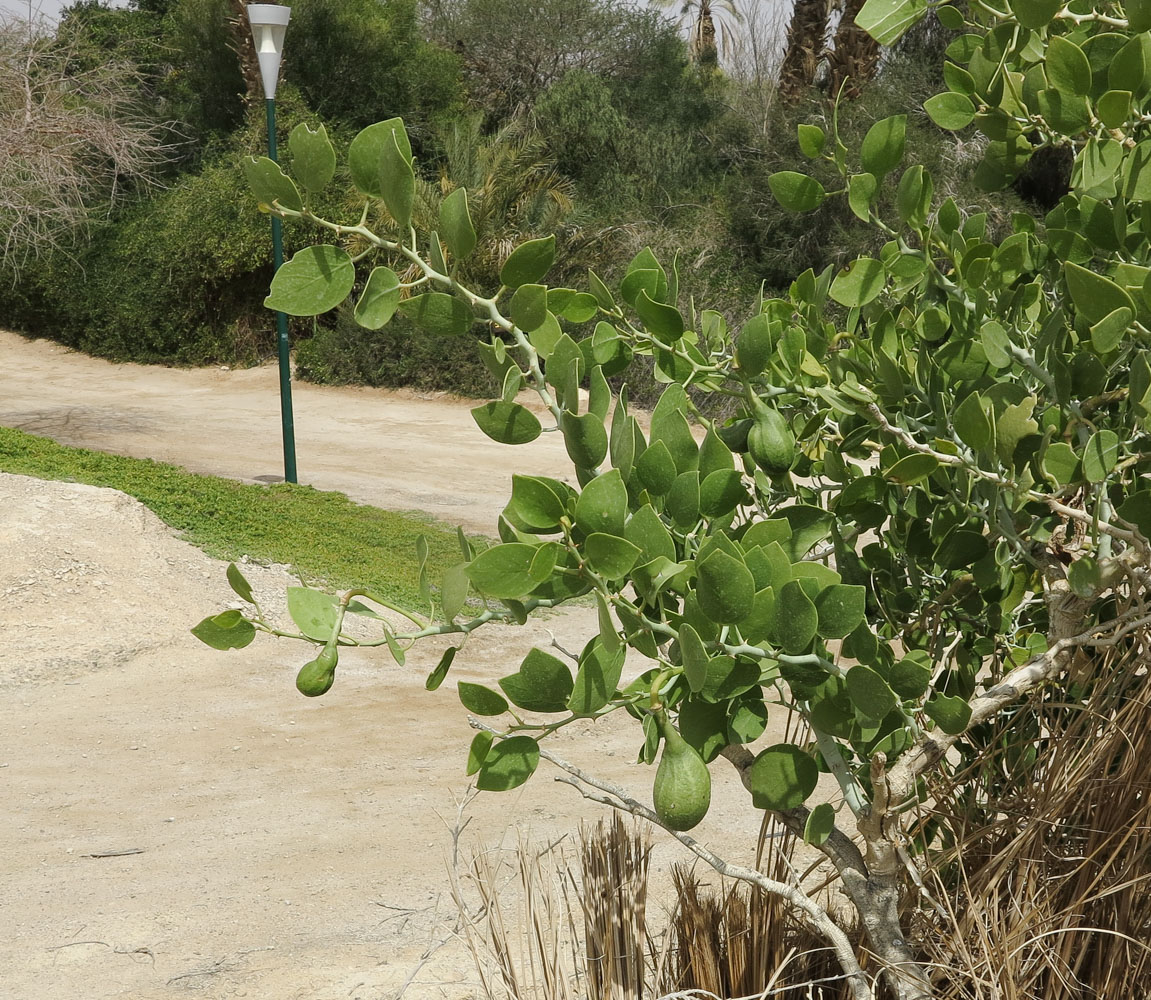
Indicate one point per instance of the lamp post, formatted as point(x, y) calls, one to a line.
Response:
point(269, 24)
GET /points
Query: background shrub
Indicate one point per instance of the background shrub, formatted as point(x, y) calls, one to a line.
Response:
point(398, 355)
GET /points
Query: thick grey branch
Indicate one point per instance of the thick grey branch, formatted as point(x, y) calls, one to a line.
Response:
point(1019, 682)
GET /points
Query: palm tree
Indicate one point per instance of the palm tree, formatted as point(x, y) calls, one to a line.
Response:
point(855, 57)
point(805, 45)
point(710, 20)
point(852, 59)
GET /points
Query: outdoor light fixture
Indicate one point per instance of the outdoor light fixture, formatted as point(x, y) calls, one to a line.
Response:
point(269, 23)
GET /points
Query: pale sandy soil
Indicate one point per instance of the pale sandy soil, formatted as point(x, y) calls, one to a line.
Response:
point(288, 848)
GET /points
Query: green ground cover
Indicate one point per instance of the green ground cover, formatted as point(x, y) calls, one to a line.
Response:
point(324, 536)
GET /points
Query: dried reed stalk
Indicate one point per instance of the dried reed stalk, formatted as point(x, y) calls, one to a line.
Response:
point(615, 863)
point(1046, 881)
point(735, 943)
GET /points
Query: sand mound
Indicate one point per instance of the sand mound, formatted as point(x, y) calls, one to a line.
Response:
point(91, 577)
point(281, 846)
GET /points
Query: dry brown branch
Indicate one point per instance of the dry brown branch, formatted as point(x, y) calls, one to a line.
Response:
point(71, 141)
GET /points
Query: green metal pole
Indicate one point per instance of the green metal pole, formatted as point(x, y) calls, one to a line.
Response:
point(284, 348)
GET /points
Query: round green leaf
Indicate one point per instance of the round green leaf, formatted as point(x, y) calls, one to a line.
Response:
point(840, 608)
point(529, 262)
point(439, 313)
point(1100, 455)
point(796, 619)
point(528, 308)
point(585, 439)
point(870, 695)
point(367, 152)
point(602, 506)
point(1114, 108)
point(912, 469)
point(1068, 70)
point(683, 499)
point(507, 423)
point(597, 678)
point(860, 283)
point(508, 764)
point(811, 140)
point(1108, 333)
point(662, 320)
point(315, 280)
point(1036, 14)
point(950, 713)
point(782, 777)
point(456, 224)
point(882, 147)
point(909, 678)
point(721, 492)
point(1094, 295)
point(379, 299)
point(1084, 577)
point(481, 700)
point(537, 502)
point(795, 191)
point(889, 20)
point(610, 556)
point(225, 631)
point(513, 569)
point(313, 158)
point(542, 684)
point(950, 111)
point(1060, 463)
point(821, 819)
point(725, 588)
point(270, 184)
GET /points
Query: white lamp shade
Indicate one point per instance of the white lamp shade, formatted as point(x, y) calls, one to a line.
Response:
point(269, 23)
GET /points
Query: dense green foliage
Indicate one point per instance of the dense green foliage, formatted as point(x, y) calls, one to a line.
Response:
point(586, 119)
point(929, 501)
point(353, 59)
point(323, 536)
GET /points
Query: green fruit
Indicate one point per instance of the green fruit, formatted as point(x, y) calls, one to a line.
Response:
point(317, 676)
point(682, 790)
point(770, 442)
point(756, 346)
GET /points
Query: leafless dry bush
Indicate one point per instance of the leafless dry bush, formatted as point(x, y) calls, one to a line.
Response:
point(72, 142)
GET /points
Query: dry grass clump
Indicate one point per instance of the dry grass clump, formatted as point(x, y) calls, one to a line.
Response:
point(1044, 881)
point(1037, 884)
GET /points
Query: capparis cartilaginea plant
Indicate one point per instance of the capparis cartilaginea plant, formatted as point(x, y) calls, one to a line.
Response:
point(932, 501)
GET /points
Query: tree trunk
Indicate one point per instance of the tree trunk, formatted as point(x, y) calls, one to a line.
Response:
point(245, 49)
point(855, 57)
point(804, 47)
point(706, 53)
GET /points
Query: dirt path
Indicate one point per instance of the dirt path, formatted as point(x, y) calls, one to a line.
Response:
point(287, 848)
point(396, 450)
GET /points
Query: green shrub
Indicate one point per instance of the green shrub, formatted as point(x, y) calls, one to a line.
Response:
point(398, 355)
point(360, 61)
point(177, 278)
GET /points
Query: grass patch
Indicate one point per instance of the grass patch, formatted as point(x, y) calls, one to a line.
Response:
point(324, 535)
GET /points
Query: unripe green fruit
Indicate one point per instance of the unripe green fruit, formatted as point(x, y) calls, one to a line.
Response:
point(317, 676)
point(682, 791)
point(770, 442)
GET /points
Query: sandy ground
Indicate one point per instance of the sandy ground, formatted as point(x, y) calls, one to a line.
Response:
point(284, 847)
